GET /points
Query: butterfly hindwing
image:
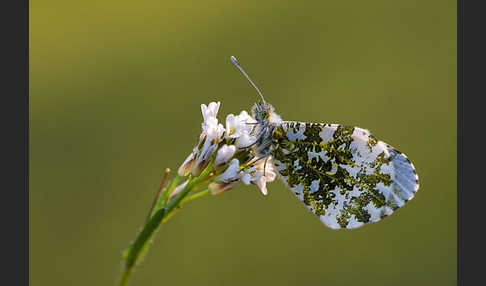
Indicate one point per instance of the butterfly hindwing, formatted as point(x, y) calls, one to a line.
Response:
point(343, 174)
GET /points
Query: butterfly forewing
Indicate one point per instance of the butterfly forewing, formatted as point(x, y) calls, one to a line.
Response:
point(343, 174)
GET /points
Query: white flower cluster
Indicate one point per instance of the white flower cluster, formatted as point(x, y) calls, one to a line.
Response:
point(228, 151)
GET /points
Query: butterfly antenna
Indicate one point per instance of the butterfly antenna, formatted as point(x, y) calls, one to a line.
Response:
point(233, 59)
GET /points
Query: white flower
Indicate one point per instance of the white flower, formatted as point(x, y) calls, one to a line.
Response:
point(210, 111)
point(231, 125)
point(237, 125)
point(231, 173)
point(224, 154)
point(262, 185)
point(250, 175)
point(248, 178)
point(245, 117)
point(245, 140)
point(216, 142)
point(213, 129)
point(268, 174)
point(268, 170)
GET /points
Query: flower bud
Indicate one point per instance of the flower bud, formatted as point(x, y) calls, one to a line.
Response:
point(178, 189)
point(186, 167)
point(219, 187)
point(203, 159)
point(225, 153)
point(211, 110)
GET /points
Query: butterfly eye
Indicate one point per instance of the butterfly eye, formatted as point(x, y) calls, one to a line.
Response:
point(263, 114)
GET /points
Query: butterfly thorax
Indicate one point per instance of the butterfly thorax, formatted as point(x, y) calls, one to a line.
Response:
point(267, 121)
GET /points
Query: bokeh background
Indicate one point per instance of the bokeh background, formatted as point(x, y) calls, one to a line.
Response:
point(115, 92)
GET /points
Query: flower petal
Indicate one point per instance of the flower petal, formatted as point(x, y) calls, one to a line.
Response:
point(246, 178)
point(203, 158)
point(231, 173)
point(210, 111)
point(224, 154)
point(262, 184)
point(245, 140)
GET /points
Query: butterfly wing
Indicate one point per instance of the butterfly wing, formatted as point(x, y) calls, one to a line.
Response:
point(342, 174)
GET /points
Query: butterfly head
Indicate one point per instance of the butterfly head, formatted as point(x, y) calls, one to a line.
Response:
point(262, 111)
point(265, 112)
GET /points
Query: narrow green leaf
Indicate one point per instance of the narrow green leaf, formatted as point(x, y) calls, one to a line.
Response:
point(162, 201)
point(140, 244)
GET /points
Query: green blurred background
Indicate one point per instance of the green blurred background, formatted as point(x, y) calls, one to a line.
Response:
point(115, 92)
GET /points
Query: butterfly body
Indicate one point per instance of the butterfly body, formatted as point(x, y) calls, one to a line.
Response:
point(343, 174)
point(267, 121)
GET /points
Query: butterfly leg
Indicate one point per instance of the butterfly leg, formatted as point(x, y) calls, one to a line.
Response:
point(256, 160)
point(265, 165)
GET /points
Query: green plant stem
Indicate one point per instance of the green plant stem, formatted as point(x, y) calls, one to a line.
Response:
point(124, 277)
point(165, 196)
point(196, 195)
point(140, 245)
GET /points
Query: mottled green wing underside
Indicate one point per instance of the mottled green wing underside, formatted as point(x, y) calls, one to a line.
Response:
point(343, 174)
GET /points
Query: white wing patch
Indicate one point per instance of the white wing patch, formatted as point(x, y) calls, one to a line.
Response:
point(342, 174)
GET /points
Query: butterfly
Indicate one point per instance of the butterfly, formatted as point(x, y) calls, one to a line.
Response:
point(343, 174)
